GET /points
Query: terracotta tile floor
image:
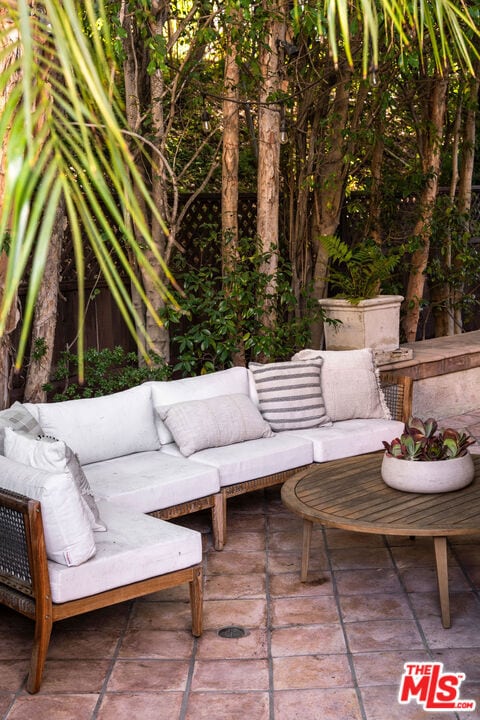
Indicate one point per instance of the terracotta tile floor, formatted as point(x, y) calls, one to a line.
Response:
point(330, 649)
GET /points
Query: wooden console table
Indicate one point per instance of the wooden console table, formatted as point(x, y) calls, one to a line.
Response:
point(350, 494)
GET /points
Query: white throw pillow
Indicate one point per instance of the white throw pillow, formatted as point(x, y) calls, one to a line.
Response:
point(350, 383)
point(290, 394)
point(214, 422)
point(54, 456)
point(18, 418)
point(69, 537)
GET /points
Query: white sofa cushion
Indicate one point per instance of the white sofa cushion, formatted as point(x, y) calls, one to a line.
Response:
point(18, 417)
point(253, 458)
point(350, 383)
point(53, 456)
point(150, 481)
point(103, 427)
point(214, 422)
point(223, 382)
point(68, 534)
point(290, 394)
point(349, 437)
point(135, 547)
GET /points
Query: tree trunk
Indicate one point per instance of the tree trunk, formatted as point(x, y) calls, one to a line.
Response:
point(268, 177)
point(230, 158)
point(329, 196)
point(45, 318)
point(432, 133)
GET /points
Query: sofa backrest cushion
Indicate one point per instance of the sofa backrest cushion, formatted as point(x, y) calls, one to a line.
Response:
point(105, 427)
point(213, 422)
point(69, 538)
point(223, 382)
point(350, 383)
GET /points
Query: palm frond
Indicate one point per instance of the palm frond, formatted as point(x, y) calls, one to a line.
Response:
point(62, 134)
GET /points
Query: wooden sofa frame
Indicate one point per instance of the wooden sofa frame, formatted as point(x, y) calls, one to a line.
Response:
point(25, 584)
point(398, 396)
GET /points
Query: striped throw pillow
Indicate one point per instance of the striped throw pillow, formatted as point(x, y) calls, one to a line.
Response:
point(290, 394)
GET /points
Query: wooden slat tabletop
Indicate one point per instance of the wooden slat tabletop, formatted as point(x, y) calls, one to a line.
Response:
point(350, 494)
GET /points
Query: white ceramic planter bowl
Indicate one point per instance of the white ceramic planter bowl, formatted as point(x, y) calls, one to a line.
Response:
point(428, 477)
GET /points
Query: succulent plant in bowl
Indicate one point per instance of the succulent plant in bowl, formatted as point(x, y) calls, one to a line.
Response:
point(423, 441)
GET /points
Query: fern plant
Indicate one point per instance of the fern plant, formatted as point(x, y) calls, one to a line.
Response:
point(357, 272)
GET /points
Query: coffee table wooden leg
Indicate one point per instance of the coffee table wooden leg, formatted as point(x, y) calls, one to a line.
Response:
point(307, 537)
point(440, 544)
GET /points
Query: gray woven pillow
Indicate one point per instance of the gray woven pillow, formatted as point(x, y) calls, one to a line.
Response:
point(18, 418)
point(214, 422)
point(290, 394)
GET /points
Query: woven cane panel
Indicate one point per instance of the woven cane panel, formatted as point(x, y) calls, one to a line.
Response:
point(394, 399)
point(14, 565)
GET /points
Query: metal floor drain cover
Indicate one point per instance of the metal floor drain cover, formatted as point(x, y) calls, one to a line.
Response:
point(232, 632)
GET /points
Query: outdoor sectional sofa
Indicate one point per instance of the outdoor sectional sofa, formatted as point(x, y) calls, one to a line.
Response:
point(159, 451)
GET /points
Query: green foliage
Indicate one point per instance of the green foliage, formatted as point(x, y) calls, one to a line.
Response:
point(454, 261)
point(223, 315)
point(420, 441)
point(357, 272)
point(106, 371)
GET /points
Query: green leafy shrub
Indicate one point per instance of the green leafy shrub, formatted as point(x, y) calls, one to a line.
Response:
point(222, 315)
point(106, 371)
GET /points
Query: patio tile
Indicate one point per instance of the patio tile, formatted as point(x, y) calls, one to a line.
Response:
point(248, 613)
point(360, 558)
point(361, 582)
point(463, 606)
point(460, 660)
point(148, 675)
point(5, 702)
point(459, 635)
point(230, 675)
point(156, 644)
point(211, 646)
point(235, 586)
point(386, 606)
point(335, 704)
point(246, 542)
point(71, 676)
point(68, 644)
point(306, 610)
point(282, 562)
point(12, 674)
point(308, 640)
point(379, 634)
point(233, 563)
point(151, 706)
point(289, 584)
point(234, 706)
point(53, 707)
point(424, 579)
point(383, 668)
point(161, 616)
point(379, 700)
point(337, 538)
point(311, 671)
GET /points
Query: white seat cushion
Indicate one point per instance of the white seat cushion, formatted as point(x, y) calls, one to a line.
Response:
point(234, 380)
point(135, 547)
point(253, 458)
point(349, 437)
point(103, 427)
point(150, 481)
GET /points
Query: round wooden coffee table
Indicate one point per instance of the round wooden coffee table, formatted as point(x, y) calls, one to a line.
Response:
point(350, 494)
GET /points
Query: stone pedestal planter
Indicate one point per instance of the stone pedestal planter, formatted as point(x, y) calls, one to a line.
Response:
point(373, 323)
point(428, 477)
